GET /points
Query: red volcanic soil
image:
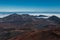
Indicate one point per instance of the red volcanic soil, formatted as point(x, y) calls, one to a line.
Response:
point(39, 35)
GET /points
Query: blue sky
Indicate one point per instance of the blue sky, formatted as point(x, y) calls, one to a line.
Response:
point(29, 5)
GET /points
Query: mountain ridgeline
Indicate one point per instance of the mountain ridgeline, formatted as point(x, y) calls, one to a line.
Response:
point(29, 27)
point(28, 20)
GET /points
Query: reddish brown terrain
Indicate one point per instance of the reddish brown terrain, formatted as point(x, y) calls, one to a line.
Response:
point(39, 35)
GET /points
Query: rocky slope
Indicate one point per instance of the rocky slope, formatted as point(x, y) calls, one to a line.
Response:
point(27, 27)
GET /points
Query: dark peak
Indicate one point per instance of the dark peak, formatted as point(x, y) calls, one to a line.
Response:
point(43, 16)
point(54, 17)
point(14, 15)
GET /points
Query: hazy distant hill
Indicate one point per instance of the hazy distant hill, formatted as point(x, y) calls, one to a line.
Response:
point(55, 19)
point(43, 16)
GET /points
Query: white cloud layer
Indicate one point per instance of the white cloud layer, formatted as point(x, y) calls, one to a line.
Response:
point(58, 15)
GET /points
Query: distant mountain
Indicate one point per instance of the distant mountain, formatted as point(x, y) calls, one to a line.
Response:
point(17, 19)
point(13, 18)
point(43, 16)
point(25, 20)
point(55, 19)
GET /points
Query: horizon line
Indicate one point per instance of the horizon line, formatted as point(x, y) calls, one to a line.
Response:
point(32, 12)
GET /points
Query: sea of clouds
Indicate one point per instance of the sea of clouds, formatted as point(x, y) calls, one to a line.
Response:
point(47, 14)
